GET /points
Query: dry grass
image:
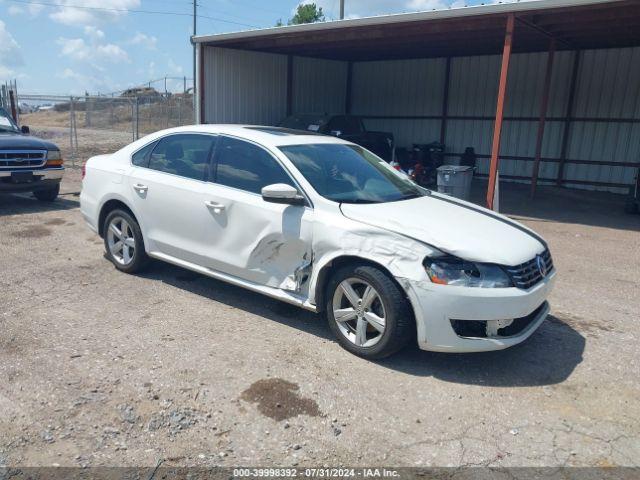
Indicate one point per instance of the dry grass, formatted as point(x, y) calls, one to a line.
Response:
point(117, 116)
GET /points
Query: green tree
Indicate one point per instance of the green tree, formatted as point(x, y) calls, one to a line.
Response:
point(307, 13)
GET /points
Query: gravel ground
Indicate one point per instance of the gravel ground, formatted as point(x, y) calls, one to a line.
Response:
point(101, 368)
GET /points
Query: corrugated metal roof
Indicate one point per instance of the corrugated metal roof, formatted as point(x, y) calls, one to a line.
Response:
point(458, 12)
point(478, 30)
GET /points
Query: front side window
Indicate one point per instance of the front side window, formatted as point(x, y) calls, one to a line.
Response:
point(186, 155)
point(246, 166)
point(350, 174)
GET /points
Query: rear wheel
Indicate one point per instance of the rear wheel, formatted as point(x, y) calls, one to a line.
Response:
point(368, 312)
point(123, 242)
point(48, 195)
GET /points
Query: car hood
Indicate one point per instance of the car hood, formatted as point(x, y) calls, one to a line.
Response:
point(19, 141)
point(455, 227)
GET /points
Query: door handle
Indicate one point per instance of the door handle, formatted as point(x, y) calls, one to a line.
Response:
point(216, 207)
point(140, 188)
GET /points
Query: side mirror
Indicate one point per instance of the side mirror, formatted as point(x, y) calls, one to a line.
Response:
point(336, 133)
point(24, 129)
point(282, 193)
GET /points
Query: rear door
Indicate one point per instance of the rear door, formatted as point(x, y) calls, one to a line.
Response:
point(258, 241)
point(167, 184)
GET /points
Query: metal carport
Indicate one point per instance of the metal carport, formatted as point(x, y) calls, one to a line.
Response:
point(547, 90)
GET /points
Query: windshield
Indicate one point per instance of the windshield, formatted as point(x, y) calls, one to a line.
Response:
point(350, 174)
point(6, 122)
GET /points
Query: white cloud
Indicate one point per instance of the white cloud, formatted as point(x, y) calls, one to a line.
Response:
point(80, 83)
point(69, 74)
point(93, 33)
point(10, 53)
point(78, 49)
point(32, 9)
point(112, 53)
point(75, 48)
point(68, 15)
point(147, 41)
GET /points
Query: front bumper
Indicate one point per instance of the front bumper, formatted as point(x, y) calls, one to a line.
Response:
point(435, 307)
point(42, 179)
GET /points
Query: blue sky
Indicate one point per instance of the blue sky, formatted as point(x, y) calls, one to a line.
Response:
point(50, 47)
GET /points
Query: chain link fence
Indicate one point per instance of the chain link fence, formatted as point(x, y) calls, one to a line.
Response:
point(92, 125)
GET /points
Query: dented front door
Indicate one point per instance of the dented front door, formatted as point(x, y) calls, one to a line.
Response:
point(258, 241)
point(249, 238)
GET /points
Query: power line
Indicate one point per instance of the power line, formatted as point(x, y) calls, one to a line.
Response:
point(124, 10)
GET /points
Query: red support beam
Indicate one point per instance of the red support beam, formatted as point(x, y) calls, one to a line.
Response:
point(502, 91)
point(544, 104)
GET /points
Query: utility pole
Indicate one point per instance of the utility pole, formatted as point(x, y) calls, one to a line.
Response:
point(341, 9)
point(195, 16)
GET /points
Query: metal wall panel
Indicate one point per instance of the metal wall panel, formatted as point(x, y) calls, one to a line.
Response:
point(244, 87)
point(402, 87)
point(608, 86)
point(251, 87)
point(319, 86)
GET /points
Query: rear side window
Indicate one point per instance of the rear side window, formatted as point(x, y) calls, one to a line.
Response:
point(247, 167)
point(141, 157)
point(186, 155)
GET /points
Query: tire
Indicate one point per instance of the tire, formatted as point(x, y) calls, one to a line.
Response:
point(390, 305)
point(48, 195)
point(125, 251)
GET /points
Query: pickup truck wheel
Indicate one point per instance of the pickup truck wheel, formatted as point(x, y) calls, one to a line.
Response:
point(368, 312)
point(48, 195)
point(123, 242)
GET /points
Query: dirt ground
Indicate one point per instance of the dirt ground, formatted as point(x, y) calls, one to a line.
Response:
point(98, 368)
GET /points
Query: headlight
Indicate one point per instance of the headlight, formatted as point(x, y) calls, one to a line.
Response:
point(54, 158)
point(449, 270)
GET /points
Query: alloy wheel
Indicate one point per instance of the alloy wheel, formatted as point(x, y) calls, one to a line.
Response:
point(359, 312)
point(122, 244)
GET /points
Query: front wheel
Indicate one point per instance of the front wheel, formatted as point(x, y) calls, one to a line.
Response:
point(48, 195)
point(123, 242)
point(368, 312)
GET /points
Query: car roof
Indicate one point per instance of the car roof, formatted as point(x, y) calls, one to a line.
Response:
point(265, 135)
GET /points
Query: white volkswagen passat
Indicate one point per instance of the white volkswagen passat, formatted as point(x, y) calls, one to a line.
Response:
point(322, 223)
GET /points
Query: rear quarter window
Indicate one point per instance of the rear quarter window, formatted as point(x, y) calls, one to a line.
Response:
point(141, 157)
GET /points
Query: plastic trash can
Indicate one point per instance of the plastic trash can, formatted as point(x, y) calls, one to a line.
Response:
point(455, 180)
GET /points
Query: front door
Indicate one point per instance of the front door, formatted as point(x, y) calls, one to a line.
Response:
point(249, 238)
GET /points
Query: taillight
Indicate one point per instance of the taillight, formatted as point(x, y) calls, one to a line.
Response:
point(84, 170)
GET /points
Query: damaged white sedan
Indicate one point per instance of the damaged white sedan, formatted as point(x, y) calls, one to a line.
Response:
point(323, 224)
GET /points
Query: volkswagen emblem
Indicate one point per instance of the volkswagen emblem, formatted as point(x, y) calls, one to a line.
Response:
point(542, 266)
